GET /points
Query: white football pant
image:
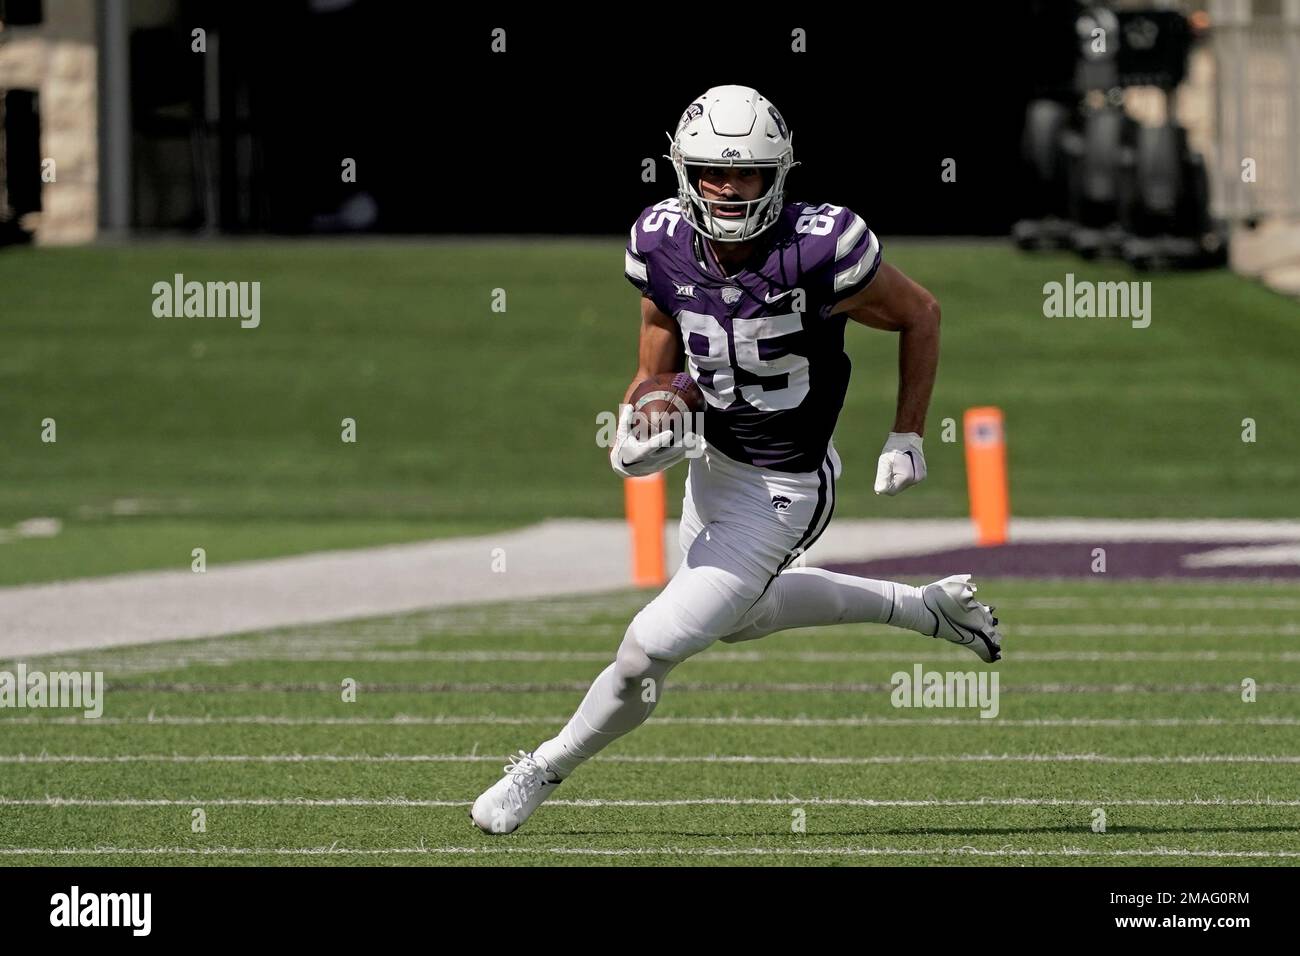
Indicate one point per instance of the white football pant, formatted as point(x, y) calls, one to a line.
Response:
point(741, 528)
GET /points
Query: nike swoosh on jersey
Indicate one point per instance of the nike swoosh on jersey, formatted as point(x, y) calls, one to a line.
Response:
point(772, 298)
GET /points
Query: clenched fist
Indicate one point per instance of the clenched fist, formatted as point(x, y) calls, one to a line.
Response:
point(902, 464)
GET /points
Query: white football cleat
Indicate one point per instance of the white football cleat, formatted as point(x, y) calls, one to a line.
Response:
point(962, 619)
point(504, 806)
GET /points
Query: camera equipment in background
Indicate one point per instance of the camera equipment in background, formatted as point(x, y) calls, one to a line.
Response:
point(1100, 183)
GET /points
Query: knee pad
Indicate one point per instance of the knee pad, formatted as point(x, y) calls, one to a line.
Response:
point(674, 627)
point(633, 665)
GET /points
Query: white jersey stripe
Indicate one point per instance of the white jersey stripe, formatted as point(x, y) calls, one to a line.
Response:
point(855, 274)
point(850, 238)
point(634, 269)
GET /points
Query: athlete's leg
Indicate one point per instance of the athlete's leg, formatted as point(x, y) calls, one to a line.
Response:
point(726, 564)
point(706, 599)
point(812, 597)
point(619, 700)
point(742, 525)
point(621, 697)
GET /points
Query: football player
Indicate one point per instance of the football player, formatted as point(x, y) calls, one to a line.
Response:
point(752, 294)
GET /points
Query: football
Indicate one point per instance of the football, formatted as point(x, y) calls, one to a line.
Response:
point(668, 400)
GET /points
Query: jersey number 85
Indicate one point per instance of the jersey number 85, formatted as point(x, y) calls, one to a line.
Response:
point(709, 348)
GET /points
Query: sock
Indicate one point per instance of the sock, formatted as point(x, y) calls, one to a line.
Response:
point(619, 700)
point(812, 597)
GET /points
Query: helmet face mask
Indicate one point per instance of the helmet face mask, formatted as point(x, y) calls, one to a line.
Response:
point(701, 212)
point(731, 126)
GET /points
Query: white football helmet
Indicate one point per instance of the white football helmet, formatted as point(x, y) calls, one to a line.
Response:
point(731, 126)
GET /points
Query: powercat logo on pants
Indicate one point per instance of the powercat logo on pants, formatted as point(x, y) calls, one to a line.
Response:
point(780, 502)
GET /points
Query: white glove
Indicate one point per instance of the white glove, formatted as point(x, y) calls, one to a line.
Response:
point(902, 463)
point(633, 457)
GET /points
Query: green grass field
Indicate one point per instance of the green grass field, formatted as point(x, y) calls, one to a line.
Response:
point(179, 433)
point(1117, 696)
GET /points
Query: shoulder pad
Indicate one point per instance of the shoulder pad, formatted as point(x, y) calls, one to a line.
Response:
point(656, 225)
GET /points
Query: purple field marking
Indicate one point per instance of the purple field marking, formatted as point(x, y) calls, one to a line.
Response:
point(1072, 559)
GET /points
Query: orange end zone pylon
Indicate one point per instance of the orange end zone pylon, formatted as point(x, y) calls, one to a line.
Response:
point(986, 474)
point(647, 509)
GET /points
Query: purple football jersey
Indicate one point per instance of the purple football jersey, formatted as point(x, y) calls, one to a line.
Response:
point(761, 344)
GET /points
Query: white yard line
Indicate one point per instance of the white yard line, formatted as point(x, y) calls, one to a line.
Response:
point(580, 686)
point(1155, 602)
point(548, 559)
point(711, 851)
point(901, 656)
point(597, 803)
point(1227, 631)
point(489, 720)
point(121, 663)
point(758, 759)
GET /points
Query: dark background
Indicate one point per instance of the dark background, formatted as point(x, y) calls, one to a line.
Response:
point(549, 137)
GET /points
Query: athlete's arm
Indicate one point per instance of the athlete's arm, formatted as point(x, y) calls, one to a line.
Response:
point(894, 303)
point(660, 349)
